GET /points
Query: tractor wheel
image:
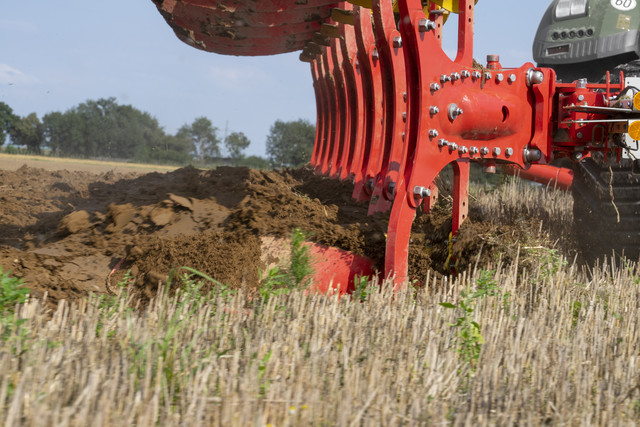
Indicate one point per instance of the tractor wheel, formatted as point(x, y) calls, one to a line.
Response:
point(606, 208)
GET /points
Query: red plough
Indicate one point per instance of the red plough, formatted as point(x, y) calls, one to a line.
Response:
point(394, 110)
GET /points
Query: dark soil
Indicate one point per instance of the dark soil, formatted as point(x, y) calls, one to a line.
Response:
point(69, 233)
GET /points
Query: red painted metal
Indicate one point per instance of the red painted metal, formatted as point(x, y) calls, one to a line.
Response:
point(335, 269)
point(551, 176)
point(394, 109)
point(246, 28)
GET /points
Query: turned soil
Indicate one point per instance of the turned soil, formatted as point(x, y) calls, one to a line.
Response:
point(68, 233)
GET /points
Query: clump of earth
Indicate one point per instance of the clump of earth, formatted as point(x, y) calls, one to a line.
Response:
point(68, 233)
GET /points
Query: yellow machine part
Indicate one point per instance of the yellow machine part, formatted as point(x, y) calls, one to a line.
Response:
point(634, 129)
point(636, 101)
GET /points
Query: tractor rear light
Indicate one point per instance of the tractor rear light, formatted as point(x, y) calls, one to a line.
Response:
point(634, 129)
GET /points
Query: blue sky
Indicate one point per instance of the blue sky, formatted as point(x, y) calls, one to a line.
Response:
point(57, 54)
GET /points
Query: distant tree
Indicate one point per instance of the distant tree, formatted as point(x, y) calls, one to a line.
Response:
point(28, 131)
point(103, 128)
point(290, 143)
point(254, 162)
point(169, 149)
point(236, 143)
point(64, 133)
point(7, 118)
point(203, 137)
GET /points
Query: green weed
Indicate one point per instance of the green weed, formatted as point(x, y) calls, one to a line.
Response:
point(296, 275)
point(12, 292)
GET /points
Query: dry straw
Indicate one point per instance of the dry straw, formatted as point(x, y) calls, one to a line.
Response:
point(560, 346)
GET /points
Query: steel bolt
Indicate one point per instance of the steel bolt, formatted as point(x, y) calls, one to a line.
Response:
point(532, 155)
point(579, 135)
point(465, 74)
point(453, 147)
point(403, 135)
point(476, 75)
point(487, 75)
point(435, 87)
point(499, 77)
point(512, 78)
point(496, 151)
point(391, 187)
point(534, 77)
point(462, 149)
point(434, 110)
point(433, 133)
point(508, 152)
point(426, 25)
point(374, 54)
point(455, 76)
point(404, 116)
point(473, 150)
point(582, 84)
point(445, 78)
point(484, 151)
point(404, 96)
point(577, 156)
point(421, 191)
point(454, 111)
point(580, 97)
point(443, 143)
point(397, 42)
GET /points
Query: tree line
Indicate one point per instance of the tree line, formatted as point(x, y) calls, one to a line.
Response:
point(105, 129)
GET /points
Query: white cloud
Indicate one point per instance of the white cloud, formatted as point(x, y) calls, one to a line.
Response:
point(10, 75)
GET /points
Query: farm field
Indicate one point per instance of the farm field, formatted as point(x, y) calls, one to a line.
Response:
point(545, 339)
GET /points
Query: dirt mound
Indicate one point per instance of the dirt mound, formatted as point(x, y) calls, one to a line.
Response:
point(68, 233)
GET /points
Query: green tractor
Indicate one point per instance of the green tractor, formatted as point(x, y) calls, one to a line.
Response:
point(586, 38)
point(583, 39)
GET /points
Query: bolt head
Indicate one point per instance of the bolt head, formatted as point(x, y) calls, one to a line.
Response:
point(421, 191)
point(499, 77)
point(454, 111)
point(579, 135)
point(532, 155)
point(462, 149)
point(577, 156)
point(476, 75)
point(508, 152)
point(391, 187)
point(445, 78)
point(453, 147)
point(496, 151)
point(465, 74)
point(534, 77)
point(455, 76)
point(397, 42)
point(434, 110)
point(473, 150)
point(484, 151)
point(433, 133)
point(426, 25)
point(487, 75)
point(435, 87)
point(580, 97)
point(512, 78)
point(443, 143)
point(375, 54)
